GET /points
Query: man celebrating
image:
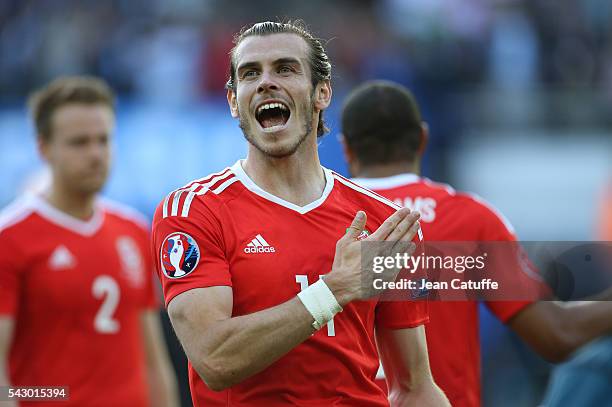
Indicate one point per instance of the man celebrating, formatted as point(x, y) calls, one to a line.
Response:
point(384, 138)
point(77, 305)
point(267, 314)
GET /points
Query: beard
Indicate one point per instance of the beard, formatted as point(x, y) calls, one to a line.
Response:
point(91, 184)
point(276, 151)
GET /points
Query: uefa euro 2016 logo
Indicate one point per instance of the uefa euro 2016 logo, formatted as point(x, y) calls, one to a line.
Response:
point(179, 255)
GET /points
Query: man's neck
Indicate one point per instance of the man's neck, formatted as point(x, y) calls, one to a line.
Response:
point(77, 205)
point(298, 178)
point(387, 170)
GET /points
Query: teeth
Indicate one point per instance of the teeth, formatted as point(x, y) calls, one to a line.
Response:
point(271, 106)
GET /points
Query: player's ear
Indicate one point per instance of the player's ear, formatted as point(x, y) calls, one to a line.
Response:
point(43, 146)
point(424, 138)
point(323, 94)
point(233, 104)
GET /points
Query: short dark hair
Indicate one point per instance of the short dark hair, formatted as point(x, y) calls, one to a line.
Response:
point(381, 123)
point(320, 66)
point(63, 91)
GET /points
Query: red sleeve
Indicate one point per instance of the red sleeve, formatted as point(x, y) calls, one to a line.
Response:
point(188, 251)
point(402, 314)
point(495, 227)
point(10, 277)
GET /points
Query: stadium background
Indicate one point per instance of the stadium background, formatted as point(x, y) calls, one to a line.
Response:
point(518, 96)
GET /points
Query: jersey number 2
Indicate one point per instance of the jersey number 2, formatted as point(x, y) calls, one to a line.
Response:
point(106, 287)
point(302, 280)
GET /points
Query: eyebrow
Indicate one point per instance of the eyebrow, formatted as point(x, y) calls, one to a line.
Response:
point(288, 60)
point(246, 65)
point(280, 61)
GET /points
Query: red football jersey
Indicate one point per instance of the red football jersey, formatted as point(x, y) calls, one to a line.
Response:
point(452, 333)
point(223, 230)
point(76, 290)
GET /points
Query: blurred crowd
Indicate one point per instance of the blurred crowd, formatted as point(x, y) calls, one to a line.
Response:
point(177, 50)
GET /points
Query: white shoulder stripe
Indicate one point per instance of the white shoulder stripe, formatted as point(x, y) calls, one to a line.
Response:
point(218, 178)
point(175, 202)
point(226, 184)
point(188, 199)
point(367, 192)
point(165, 208)
point(201, 180)
point(175, 196)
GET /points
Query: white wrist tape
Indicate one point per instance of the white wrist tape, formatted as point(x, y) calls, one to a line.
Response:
point(320, 302)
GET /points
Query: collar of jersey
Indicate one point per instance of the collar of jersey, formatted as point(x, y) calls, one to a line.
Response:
point(393, 181)
point(54, 215)
point(251, 186)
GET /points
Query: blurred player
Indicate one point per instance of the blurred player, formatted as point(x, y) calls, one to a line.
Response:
point(384, 139)
point(584, 380)
point(77, 301)
point(241, 253)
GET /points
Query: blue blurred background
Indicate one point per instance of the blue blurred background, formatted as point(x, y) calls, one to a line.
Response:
point(518, 96)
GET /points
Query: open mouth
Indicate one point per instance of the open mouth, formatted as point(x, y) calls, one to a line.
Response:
point(272, 115)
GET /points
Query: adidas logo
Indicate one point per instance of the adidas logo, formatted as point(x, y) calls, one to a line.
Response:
point(61, 258)
point(259, 245)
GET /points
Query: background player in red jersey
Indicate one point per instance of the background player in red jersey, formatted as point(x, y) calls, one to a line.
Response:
point(77, 301)
point(384, 139)
point(241, 254)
